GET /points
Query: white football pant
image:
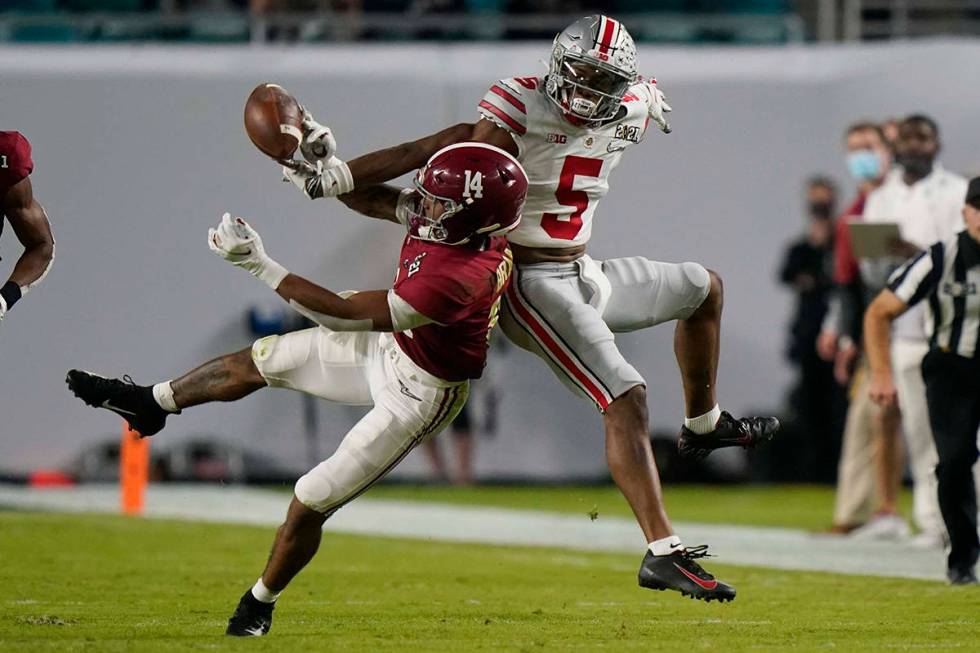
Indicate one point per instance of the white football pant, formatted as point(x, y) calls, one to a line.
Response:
point(359, 368)
point(567, 313)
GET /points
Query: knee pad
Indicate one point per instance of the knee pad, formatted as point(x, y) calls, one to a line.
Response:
point(698, 276)
point(314, 490)
point(274, 355)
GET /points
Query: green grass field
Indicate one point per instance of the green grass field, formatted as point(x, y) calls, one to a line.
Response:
point(795, 506)
point(102, 583)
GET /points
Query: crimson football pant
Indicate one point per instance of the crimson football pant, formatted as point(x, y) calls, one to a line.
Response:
point(359, 368)
point(568, 313)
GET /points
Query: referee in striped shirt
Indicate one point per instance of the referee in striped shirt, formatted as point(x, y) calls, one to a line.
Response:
point(947, 275)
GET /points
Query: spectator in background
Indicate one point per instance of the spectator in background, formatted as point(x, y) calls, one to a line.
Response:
point(869, 473)
point(816, 399)
point(926, 201)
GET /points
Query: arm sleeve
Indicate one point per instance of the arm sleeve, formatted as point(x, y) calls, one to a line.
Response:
point(439, 298)
point(504, 105)
point(914, 280)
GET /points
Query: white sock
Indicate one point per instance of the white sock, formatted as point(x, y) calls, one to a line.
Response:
point(263, 593)
point(666, 546)
point(163, 393)
point(704, 423)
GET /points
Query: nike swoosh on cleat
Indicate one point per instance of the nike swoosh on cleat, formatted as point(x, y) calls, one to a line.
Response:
point(256, 632)
point(106, 404)
point(703, 584)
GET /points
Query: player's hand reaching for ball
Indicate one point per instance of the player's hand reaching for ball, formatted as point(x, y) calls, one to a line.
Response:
point(238, 243)
point(328, 178)
point(318, 143)
point(657, 105)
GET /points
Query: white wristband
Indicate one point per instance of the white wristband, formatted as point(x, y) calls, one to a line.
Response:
point(337, 179)
point(271, 273)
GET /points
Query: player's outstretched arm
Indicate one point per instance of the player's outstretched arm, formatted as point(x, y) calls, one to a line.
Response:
point(362, 311)
point(380, 201)
point(332, 177)
point(393, 162)
point(237, 242)
point(30, 224)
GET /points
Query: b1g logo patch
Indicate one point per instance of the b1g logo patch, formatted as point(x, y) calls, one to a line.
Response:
point(413, 265)
point(557, 139)
point(628, 133)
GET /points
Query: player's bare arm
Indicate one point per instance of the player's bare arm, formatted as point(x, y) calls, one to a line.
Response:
point(30, 224)
point(380, 201)
point(877, 342)
point(390, 163)
point(367, 309)
point(324, 175)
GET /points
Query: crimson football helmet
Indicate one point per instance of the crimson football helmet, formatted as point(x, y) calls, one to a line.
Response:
point(479, 188)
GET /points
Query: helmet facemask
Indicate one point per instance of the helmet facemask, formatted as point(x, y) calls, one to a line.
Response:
point(586, 88)
point(422, 206)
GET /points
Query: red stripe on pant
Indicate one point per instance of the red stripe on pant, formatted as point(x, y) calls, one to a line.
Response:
point(564, 360)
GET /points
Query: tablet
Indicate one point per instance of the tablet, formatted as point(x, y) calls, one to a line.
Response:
point(872, 239)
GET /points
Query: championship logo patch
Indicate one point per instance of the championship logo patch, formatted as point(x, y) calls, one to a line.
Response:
point(628, 133)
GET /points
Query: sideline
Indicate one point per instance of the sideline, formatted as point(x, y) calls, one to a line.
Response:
point(778, 548)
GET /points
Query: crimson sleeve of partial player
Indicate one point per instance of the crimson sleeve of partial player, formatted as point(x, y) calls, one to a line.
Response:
point(15, 159)
point(504, 104)
point(440, 298)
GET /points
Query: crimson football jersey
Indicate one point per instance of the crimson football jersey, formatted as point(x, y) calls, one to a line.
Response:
point(15, 160)
point(460, 288)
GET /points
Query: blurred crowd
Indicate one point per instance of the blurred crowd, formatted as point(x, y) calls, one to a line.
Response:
point(745, 21)
point(898, 178)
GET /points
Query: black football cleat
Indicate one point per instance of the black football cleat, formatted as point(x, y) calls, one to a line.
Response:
point(747, 432)
point(132, 402)
point(252, 617)
point(679, 571)
point(961, 576)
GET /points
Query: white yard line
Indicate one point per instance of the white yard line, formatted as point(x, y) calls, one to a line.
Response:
point(780, 548)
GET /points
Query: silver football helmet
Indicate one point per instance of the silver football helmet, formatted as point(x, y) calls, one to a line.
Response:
point(593, 63)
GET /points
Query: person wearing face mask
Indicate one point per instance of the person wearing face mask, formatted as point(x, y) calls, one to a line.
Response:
point(807, 270)
point(871, 460)
point(926, 201)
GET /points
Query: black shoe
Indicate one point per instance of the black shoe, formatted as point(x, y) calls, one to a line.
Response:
point(961, 577)
point(252, 617)
point(678, 571)
point(746, 432)
point(132, 402)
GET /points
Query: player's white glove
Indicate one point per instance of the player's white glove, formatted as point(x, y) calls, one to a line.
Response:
point(318, 143)
point(649, 92)
point(328, 178)
point(3, 307)
point(235, 241)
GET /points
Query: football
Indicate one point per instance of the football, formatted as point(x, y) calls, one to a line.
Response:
point(272, 120)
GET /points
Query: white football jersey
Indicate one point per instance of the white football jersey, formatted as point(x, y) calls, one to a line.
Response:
point(568, 166)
